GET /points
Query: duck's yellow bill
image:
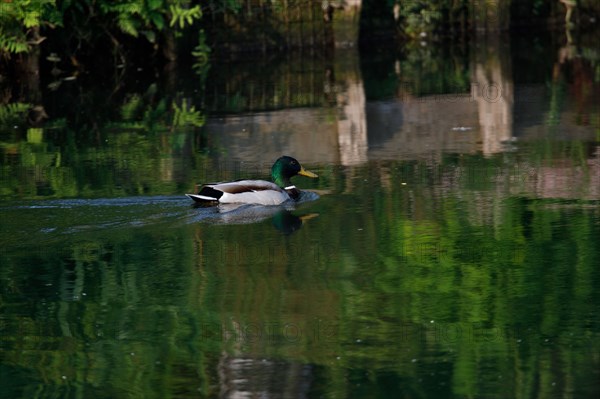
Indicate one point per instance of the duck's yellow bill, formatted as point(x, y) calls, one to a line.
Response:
point(307, 173)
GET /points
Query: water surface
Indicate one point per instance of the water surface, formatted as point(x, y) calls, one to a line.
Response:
point(451, 249)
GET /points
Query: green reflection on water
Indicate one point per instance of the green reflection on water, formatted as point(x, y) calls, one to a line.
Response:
point(429, 288)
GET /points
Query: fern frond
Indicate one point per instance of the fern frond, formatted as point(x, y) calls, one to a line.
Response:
point(184, 17)
point(10, 114)
point(13, 43)
point(127, 25)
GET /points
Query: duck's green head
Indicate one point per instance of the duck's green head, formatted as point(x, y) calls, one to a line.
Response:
point(287, 167)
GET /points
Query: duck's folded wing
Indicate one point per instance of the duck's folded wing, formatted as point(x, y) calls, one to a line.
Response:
point(244, 191)
point(243, 186)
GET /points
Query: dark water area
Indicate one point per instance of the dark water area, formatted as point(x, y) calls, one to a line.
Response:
point(449, 247)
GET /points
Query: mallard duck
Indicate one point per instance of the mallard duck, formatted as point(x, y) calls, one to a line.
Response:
point(259, 192)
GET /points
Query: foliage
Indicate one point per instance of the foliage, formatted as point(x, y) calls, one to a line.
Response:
point(186, 115)
point(12, 114)
point(200, 53)
point(183, 17)
point(135, 17)
point(420, 18)
point(146, 114)
point(19, 21)
point(150, 128)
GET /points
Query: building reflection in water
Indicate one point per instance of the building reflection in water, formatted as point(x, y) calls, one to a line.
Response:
point(352, 130)
point(492, 89)
point(491, 116)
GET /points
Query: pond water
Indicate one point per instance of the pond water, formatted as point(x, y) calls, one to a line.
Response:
point(449, 248)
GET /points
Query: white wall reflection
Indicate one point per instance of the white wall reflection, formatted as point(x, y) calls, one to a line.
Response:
point(492, 89)
point(351, 121)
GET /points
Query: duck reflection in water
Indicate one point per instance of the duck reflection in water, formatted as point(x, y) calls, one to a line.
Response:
point(287, 222)
point(281, 216)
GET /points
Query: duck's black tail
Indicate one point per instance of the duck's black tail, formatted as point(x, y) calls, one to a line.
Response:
point(207, 194)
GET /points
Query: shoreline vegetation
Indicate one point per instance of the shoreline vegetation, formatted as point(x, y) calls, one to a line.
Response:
point(78, 32)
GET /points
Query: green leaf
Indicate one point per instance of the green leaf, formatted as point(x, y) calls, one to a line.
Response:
point(31, 19)
point(13, 43)
point(150, 35)
point(154, 4)
point(158, 20)
point(128, 26)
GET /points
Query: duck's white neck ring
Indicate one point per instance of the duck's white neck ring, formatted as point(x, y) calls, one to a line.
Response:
point(289, 187)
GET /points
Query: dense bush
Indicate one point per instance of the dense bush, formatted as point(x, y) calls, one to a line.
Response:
point(24, 23)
